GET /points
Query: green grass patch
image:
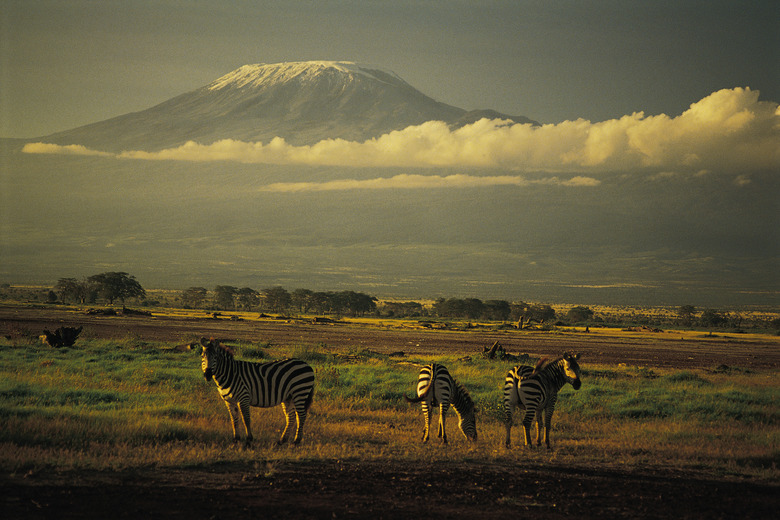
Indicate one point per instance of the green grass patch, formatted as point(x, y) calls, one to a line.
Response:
point(119, 404)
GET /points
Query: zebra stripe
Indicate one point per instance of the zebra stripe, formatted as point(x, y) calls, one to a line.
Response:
point(511, 397)
point(538, 393)
point(242, 384)
point(436, 387)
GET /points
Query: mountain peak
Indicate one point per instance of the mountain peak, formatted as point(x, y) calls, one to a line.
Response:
point(265, 74)
point(303, 102)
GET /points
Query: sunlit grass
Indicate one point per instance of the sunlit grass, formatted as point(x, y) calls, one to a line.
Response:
point(125, 404)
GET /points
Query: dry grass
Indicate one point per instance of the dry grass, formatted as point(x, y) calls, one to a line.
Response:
point(111, 405)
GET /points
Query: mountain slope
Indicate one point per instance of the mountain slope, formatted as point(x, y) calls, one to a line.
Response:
point(303, 102)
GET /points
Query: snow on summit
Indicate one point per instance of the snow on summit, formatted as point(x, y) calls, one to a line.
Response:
point(264, 74)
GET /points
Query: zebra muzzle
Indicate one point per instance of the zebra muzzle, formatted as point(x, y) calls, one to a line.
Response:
point(207, 374)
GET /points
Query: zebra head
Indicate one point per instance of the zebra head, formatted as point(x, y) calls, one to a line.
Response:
point(211, 356)
point(467, 412)
point(468, 425)
point(571, 370)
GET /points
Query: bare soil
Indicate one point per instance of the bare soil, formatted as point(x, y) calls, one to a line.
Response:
point(392, 489)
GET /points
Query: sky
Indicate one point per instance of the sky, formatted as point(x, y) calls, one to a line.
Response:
point(66, 64)
point(652, 179)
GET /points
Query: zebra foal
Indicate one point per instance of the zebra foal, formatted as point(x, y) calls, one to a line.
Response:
point(242, 384)
point(436, 387)
point(537, 392)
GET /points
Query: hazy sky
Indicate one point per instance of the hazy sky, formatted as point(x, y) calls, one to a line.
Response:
point(66, 64)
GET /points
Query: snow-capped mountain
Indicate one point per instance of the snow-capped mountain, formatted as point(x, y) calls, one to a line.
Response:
point(303, 102)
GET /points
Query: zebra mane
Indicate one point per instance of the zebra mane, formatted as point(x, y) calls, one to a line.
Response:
point(225, 348)
point(545, 362)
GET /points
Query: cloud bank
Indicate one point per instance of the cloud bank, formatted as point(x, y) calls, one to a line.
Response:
point(729, 130)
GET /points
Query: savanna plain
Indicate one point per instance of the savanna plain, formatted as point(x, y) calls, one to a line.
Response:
point(674, 423)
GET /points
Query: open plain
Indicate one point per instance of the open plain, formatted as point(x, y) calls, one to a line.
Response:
point(263, 484)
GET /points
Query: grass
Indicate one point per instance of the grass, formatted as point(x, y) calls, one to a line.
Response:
point(127, 404)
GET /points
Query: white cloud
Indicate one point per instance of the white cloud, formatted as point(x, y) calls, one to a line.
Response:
point(70, 149)
point(729, 130)
point(407, 181)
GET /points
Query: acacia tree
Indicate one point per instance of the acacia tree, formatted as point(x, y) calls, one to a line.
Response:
point(224, 297)
point(579, 314)
point(276, 299)
point(194, 297)
point(686, 313)
point(117, 285)
point(301, 299)
point(247, 298)
point(72, 289)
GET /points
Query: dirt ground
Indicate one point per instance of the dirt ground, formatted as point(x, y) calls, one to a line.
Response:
point(391, 489)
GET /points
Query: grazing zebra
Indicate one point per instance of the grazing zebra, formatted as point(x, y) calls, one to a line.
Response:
point(511, 397)
point(538, 393)
point(242, 384)
point(436, 387)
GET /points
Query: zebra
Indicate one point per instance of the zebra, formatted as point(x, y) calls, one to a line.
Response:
point(242, 384)
point(436, 387)
point(537, 394)
point(511, 397)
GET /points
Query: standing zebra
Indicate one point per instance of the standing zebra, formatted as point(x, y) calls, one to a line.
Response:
point(242, 384)
point(436, 387)
point(511, 397)
point(538, 393)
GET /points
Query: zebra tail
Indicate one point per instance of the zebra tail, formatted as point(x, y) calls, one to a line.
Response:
point(309, 399)
point(420, 398)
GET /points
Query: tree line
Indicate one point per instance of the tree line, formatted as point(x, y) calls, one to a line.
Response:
point(113, 287)
point(280, 300)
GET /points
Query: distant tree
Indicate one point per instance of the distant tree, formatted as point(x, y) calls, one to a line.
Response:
point(74, 290)
point(224, 297)
point(775, 324)
point(540, 313)
point(497, 310)
point(301, 299)
point(686, 314)
point(402, 309)
point(276, 299)
point(471, 308)
point(358, 303)
point(247, 298)
point(579, 314)
point(194, 297)
point(711, 318)
point(117, 285)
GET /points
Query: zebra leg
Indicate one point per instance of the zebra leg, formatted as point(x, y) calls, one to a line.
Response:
point(528, 418)
point(289, 413)
point(548, 424)
point(539, 426)
point(246, 416)
point(442, 415)
point(508, 426)
point(300, 419)
point(233, 411)
point(427, 415)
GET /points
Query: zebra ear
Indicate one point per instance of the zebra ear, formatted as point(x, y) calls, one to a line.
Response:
point(204, 342)
point(576, 356)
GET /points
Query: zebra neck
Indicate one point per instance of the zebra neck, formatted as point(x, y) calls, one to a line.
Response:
point(557, 375)
point(223, 370)
point(461, 401)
